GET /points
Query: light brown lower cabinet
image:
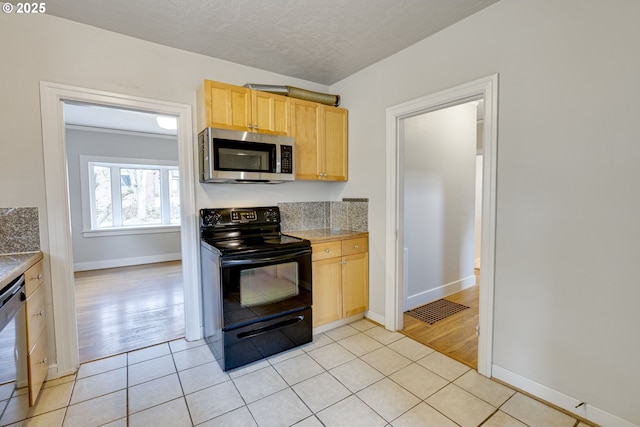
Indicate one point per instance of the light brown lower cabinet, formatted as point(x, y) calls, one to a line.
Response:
point(37, 346)
point(340, 279)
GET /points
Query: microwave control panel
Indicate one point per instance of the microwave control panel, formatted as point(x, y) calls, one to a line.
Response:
point(286, 159)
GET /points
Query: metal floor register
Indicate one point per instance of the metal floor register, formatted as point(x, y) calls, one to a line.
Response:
point(436, 311)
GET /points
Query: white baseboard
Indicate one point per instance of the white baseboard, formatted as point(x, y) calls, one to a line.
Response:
point(375, 317)
point(439, 292)
point(560, 400)
point(124, 262)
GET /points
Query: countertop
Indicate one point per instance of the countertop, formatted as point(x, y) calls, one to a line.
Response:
point(326, 234)
point(13, 265)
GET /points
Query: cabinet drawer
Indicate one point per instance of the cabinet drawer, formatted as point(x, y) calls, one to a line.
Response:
point(38, 367)
point(326, 250)
point(36, 320)
point(33, 278)
point(355, 246)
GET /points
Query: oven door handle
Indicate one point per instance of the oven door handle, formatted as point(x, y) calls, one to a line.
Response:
point(263, 330)
point(263, 260)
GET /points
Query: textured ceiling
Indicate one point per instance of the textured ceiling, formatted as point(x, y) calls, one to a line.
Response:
point(322, 41)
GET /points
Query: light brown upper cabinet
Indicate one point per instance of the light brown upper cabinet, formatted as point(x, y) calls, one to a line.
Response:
point(320, 132)
point(226, 106)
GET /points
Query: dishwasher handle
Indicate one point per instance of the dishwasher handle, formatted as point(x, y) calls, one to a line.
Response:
point(12, 289)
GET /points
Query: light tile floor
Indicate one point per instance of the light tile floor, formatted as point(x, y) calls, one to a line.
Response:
point(355, 375)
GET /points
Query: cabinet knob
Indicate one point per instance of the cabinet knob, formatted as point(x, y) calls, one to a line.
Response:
point(38, 277)
point(255, 127)
point(41, 313)
point(356, 246)
point(249, 126)
point(44, 361)
point(327, 250)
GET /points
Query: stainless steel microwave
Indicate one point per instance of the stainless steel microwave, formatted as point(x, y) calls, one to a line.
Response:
point(230, 156)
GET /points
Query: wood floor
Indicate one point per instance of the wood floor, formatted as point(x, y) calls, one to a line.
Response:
point(128, 308)
point(118, 310)
point(454, 336)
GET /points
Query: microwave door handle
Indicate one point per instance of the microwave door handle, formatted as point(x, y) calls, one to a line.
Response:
point(262, 260)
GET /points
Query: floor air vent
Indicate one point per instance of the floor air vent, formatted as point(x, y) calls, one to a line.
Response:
point(436, 311)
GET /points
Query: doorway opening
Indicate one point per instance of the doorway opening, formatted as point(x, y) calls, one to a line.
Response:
point(440, 158)
point(124, 200)
point(482, 89)
point(60, 255)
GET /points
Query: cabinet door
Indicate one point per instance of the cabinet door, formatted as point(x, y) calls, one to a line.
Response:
point(355, 284)
point(335, 143)
point(227, 106)
point(327, 294)
point(38, 367)
point(270, 113)
point(35, 317)
point(305, 120)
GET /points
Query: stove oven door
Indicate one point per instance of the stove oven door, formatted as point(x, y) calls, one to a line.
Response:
point(266, 305)
point(261, 286)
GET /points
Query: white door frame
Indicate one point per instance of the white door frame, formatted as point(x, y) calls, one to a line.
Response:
point(52, 97)
point(484, 88)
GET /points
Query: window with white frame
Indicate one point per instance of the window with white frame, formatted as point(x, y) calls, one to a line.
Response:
point(125, 194)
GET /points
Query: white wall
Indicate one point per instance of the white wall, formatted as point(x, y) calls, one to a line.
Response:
point(116, 250)
point(439, 209)
point(567, 233)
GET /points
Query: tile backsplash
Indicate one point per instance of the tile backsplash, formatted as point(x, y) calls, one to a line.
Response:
point(348, 214)
point(19, 230)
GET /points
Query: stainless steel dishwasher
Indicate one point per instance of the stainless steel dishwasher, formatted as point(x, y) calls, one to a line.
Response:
point(12, 298)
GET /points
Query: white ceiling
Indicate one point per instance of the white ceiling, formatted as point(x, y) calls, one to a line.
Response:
point(100, 117)
point(322, 41)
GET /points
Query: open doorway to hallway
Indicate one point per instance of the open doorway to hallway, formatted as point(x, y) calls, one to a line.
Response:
point(441, 167)
point(485, 88)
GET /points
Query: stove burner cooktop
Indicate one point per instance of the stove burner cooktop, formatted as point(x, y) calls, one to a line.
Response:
point(256, 244)
point(246, 230)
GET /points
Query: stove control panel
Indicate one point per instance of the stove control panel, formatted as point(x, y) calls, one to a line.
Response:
point(243, 216)
point(238, 216)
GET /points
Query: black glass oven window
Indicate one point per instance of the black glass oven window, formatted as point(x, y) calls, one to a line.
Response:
point(267, 285)
point(244, 156)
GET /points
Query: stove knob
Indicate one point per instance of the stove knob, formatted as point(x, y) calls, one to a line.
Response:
point(272, 216)
point(212, 218)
